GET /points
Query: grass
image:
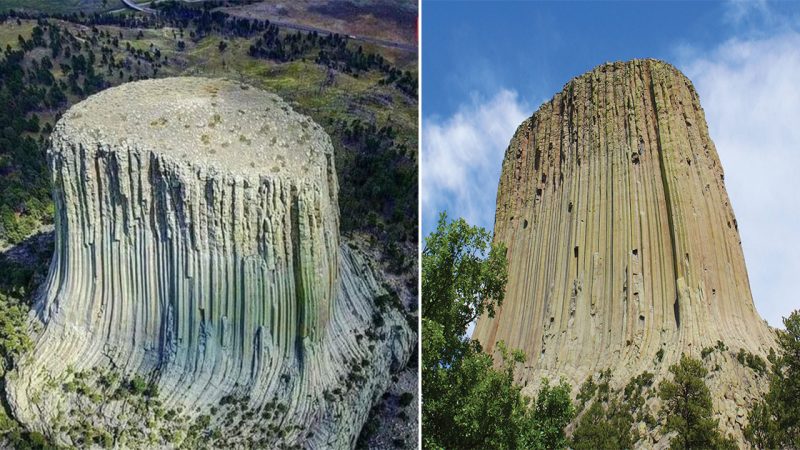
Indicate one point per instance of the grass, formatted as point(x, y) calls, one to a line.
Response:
point(300, 81)
point(10, 32)
point(161, 38)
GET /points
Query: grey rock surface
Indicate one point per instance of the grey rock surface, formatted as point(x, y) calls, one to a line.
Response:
point(197, 246)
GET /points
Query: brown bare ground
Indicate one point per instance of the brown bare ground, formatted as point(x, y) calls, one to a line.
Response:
point(382, 19)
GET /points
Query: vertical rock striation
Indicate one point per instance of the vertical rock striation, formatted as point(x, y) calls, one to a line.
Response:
point(197, 244)
point(621, 238)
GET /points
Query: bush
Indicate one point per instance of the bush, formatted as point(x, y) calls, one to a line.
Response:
point(752, 361)
point(586, 392)
point(137, 386)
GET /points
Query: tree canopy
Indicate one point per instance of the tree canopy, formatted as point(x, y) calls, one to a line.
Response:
point(469, 402)
point(463, 276)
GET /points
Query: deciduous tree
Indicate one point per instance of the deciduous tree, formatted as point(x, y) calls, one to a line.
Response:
point(468, 402)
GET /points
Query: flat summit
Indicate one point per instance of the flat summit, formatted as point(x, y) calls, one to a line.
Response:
point(225, 124)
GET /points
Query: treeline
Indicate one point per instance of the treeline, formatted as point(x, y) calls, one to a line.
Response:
point(328, 49)
point(204, 20)
point(94, 19)
point(331, 50)
point(198, 16)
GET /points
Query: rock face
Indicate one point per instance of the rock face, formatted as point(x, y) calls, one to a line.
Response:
point(197, 246)
point(622, 242)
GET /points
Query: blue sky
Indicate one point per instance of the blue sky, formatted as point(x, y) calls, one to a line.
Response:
point(487, 66)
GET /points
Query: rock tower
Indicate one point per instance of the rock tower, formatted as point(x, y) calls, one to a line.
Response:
point(623, 248)
point(198, 248)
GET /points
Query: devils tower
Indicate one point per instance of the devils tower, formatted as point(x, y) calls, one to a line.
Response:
point(200, 294)
point(623, 248)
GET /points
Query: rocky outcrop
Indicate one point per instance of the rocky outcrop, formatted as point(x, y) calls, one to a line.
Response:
point(623, 248)
point(197, 247)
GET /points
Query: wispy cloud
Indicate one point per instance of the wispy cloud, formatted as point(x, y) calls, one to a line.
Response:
point(462, 155)
point(760, 18)
point(750, 92)
point(739, 11)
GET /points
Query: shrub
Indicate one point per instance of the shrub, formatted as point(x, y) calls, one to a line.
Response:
point(138, 385)
point(586, 392)
point(602, 428)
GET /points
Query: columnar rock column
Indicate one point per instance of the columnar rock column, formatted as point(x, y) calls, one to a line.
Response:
point(621, 238)
point(197, 243)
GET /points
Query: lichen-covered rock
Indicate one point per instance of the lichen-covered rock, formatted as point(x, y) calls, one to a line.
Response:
point(197, 247)
point(623, 248)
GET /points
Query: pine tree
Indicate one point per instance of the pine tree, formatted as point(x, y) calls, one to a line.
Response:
point(687, 408)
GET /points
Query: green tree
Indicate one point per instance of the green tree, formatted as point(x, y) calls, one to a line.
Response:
point(602, 428)
point(463, 276)
point(763, 427)
point(542, 426)
point(687, 408)
point(774, 422)
point(484, 405)
point(468, 402)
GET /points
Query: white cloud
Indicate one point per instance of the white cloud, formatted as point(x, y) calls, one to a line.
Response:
point(462, 155)
point(750, 92)
point(739, 11)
